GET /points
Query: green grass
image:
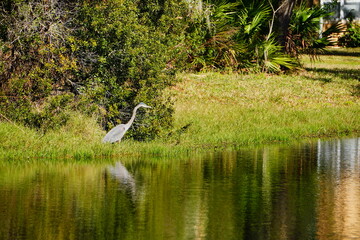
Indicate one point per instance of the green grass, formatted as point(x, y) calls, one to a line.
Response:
point(255, 109)
point(215, 110)
point(335, 58)
point(80, 138)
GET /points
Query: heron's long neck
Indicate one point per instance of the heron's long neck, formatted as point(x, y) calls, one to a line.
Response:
point(133, 116)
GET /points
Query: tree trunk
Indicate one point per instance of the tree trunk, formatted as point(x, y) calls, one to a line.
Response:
point(282, 20)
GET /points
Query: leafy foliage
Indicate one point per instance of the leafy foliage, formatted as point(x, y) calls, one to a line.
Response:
point(124, 63)
point(101, 57)
point(304, 31)
point(261, 47)
point(234, 36)
point(35, 66)
point(352, 35)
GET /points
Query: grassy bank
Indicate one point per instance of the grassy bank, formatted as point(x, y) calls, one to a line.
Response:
point(259, 109)
point(220, 110)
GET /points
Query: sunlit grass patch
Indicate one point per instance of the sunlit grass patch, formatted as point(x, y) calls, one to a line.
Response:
point(248, 109)
point(335, 58)
point(307, 90)
point(81, 136)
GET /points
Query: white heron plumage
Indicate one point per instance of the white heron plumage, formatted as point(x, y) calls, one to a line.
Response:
point(117, 133)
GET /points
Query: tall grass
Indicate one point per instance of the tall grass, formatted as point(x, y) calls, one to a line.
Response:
point(79, 140)
point(80, 137)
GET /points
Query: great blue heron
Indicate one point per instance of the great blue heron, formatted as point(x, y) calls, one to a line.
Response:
point(118, 132)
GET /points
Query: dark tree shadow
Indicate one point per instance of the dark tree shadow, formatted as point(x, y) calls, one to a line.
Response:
point(345, 74)
point(341, 52)
point(327, 75)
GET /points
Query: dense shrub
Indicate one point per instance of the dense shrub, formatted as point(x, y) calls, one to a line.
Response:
point(99, 57)
point(351, 37)
point(35, 67)
point(304, 30)
point(234, 36)
point(123, 62)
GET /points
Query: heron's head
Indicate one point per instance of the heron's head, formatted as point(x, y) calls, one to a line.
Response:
point(143, 105)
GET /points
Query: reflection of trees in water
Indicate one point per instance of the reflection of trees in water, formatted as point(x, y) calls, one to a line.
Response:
point(303, 191)
point(339, 156)
point(263, 193)
point(339, 189)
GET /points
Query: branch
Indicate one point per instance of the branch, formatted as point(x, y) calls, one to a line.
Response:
point(273, 18)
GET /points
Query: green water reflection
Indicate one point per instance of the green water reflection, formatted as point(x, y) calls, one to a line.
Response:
point(303, 191)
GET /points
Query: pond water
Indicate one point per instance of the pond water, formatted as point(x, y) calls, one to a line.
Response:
point(301, 191)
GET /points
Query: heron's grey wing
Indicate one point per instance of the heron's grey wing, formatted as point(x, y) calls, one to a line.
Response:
point(115, 134)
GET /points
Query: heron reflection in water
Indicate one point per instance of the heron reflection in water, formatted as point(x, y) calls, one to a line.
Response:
point(122, 176)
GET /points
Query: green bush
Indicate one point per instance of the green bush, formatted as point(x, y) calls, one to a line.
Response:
point(123, 57)
point(35, 64)
point(233, 36)
point(304, 30)
point(101, 57)
point(351, 37)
